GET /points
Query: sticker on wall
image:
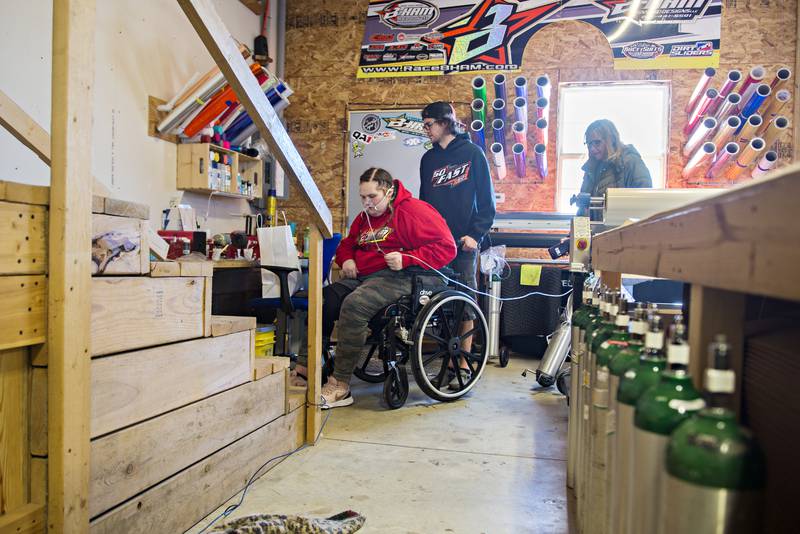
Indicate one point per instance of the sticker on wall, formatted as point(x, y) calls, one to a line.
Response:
point(439, 37)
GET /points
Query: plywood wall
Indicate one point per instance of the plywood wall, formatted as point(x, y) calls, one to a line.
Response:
point(323, 37)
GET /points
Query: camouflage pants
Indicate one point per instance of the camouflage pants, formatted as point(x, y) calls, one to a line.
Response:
point(352, 302)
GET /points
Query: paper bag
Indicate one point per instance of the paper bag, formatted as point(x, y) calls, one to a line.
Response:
point(276, 246)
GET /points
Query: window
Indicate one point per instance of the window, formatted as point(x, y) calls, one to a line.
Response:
point(639, 110)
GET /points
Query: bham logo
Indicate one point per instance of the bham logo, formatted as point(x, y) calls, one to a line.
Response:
point(405, 124)
point(450, 175)
point(408, 14)
point(653, 11)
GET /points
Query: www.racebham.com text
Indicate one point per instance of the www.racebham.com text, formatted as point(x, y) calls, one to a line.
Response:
point(436, 68)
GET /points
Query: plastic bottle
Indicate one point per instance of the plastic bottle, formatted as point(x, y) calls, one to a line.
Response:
point(306, 241)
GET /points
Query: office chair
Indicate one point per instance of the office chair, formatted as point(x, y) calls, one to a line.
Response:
point(288, 304)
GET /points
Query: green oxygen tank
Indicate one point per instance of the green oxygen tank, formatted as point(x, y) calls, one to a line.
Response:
point(659, 411)
point(617, 338)
point(634, 382)
point(580, 319)
point(602, 297)
point(620, 361)
point(714, 468)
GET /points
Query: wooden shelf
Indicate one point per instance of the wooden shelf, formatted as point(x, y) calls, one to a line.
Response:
point(216, 192)
point(193, 170)
point(743, 240)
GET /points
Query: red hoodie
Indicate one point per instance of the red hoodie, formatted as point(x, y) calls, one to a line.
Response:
point(414, 228)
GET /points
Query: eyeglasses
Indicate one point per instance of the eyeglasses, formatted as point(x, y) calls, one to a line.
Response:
point(428, 125)
point(593, 143)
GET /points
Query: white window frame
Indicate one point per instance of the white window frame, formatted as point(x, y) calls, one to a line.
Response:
point(561, 156)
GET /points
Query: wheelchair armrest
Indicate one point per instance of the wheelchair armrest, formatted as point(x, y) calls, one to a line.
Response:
point(283, 277)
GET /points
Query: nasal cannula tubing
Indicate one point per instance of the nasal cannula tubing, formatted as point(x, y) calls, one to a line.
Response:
point(459, 283)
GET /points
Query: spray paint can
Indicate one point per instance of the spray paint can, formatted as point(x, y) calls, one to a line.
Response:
point(272, 208)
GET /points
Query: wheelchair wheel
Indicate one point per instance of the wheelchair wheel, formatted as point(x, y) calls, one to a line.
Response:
point(438, 346)
point(367, 371)
point(503, 356)
point(395, 387)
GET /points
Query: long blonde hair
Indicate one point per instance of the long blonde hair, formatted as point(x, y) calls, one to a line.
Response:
point(608, 133)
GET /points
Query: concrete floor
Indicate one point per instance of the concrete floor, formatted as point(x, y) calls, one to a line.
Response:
point(494, 462)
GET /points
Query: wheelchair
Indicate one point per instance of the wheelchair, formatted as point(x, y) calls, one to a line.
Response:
point(422, 329)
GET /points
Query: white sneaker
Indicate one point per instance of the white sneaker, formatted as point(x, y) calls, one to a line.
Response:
point(335, 394)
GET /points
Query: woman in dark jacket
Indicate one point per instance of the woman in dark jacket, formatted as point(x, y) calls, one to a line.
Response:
point(611, 163)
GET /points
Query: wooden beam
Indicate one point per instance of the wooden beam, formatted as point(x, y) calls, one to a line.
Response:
point(23, 239)
point(69, 285)
point(314, 413)
point(24, 310)
point(222, 325)
point(740, 240)
point(134, 386)
point(179, 502)
point(14, 457)
point(28, 519)
point(711, 312)
point(223, 49)
point(39, 481)
point(38, 409)
point(167, 309)
point(128, 462)
point(26, 130)
point(24, 193)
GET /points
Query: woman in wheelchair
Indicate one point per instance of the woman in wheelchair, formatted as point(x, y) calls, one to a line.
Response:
point(394, 241)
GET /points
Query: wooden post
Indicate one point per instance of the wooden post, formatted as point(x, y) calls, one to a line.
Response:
point(711, 312)
point(313, 411)
point(69, 283)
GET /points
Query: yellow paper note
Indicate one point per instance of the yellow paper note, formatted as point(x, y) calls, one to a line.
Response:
point(529, 275)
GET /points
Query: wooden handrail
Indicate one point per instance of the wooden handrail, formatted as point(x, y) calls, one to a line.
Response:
point(26, 130)
point(223, 49)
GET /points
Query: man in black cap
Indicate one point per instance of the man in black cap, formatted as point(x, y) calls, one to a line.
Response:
point(455, 179)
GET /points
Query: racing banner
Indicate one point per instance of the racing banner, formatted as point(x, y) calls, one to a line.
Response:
point(435, 37)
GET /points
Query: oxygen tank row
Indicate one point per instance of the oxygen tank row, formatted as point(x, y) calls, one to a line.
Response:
point(647, 452)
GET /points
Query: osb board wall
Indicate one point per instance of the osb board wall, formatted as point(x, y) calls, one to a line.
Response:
point(322, 40)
